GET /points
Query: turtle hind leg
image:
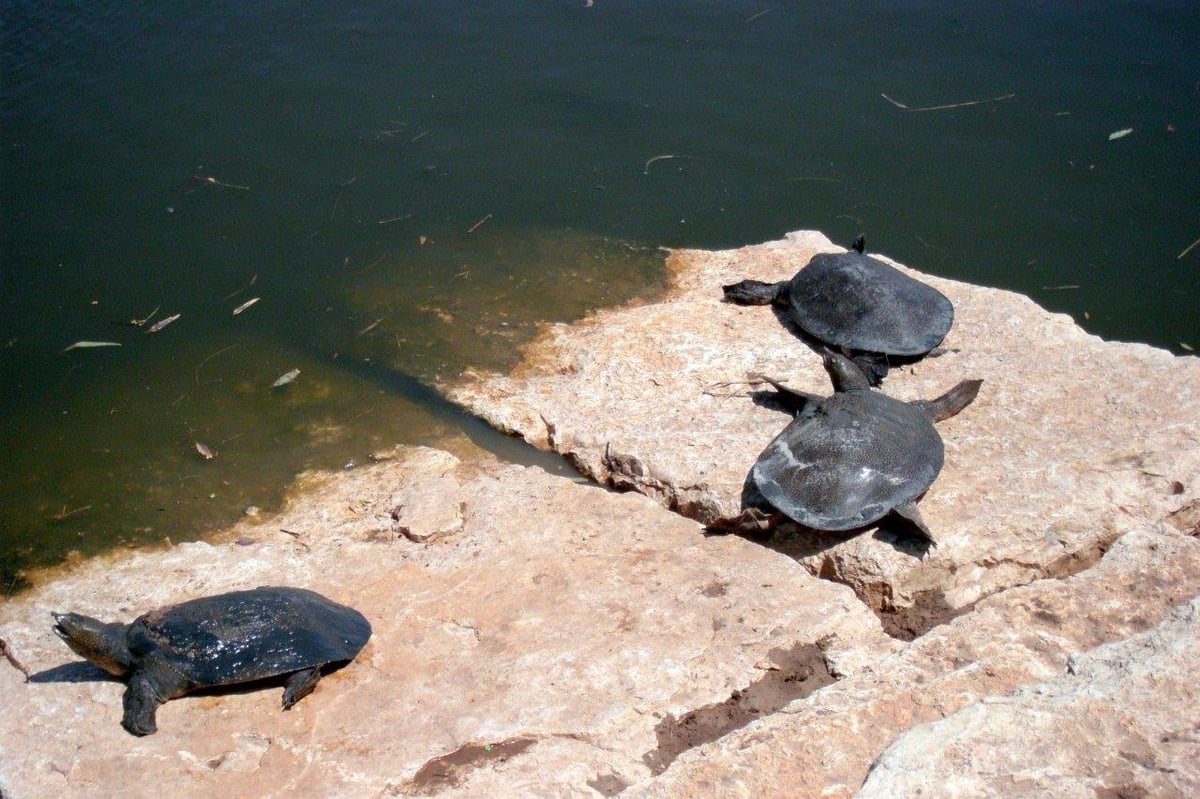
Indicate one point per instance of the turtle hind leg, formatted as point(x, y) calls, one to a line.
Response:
point(753, 292)
point(912, 516)
point(299, 685)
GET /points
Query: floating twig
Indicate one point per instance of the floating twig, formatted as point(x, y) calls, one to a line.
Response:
point(6, 650)
point(66, 514)
point(1188, 249)
point(904, 107)
point(646, 168)
point(472, 228)
point(210, 180)
point(377, 261)
point(372, 326)
point(83, 345)
point(209, 358)
point(142, 322)
point(236, 292)
point(393, 219)
point(342, 190)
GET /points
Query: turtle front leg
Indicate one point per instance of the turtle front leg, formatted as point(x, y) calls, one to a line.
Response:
point(299, 685)
point(141, 702)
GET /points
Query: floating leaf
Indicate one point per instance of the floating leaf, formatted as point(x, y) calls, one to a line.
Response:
point(286, 378)
point(79, 345)
point(245, 305)
point(1120, 134)
point(161, 323)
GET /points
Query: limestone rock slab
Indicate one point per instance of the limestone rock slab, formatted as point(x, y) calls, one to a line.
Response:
point(1123, 721)
point(1031, 636)
point(558, 624)
point(1071, 439)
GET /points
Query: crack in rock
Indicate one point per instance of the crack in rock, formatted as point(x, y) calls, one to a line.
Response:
point(797, 672)
point(627, 472)
point(916, 615)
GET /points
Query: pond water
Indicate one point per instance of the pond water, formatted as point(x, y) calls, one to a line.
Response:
point(408, 188)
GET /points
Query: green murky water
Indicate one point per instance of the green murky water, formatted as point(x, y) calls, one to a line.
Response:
point(409, 187)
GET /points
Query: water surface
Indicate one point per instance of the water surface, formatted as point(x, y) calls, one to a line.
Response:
point(409, 187)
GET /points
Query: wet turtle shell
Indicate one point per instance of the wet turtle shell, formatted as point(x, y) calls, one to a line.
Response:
point(848, 460)
point(858, 304)
point(230, 638)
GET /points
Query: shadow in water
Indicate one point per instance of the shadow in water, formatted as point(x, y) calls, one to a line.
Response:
point(505, 447)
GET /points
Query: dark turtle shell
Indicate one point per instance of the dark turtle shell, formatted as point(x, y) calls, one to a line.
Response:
point(249, 635)
point(859, 302)
point(847, 460)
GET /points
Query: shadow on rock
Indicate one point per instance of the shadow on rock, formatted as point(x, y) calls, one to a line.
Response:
point(79, 671)
point(761, 523)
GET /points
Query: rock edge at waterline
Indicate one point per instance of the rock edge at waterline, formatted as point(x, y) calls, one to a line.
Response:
point(535, 636)
point(1071, 440)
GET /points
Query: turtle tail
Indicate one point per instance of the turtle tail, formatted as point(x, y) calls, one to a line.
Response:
point(954, 400)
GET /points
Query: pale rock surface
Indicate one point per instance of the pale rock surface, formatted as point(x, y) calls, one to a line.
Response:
point(1071, 440)
point(824, 745)
point(549, 637)
point(1102, 729)
point(538, 637)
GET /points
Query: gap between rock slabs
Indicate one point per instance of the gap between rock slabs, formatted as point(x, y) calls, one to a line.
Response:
point(793, 673)
point(929, 609)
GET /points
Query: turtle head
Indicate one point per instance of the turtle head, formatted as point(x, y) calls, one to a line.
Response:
point(844, 372)
point(101, 643)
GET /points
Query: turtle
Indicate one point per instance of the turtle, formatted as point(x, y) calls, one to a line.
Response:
point(859, 305)
point(237, 637)
point(846, 461)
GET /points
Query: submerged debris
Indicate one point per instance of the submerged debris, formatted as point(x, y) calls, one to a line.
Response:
point(286, 378)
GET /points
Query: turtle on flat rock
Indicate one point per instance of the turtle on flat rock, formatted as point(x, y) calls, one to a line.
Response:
point(218, 640)
point(848, 460)
point(859, 305)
